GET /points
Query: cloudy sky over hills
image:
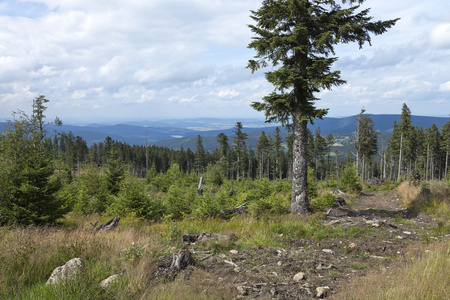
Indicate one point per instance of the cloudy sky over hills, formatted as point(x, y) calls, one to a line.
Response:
point(111, 60)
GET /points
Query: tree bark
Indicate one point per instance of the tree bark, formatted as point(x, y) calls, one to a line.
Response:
point(446, 163)
point(300, 203)
point(400, 158)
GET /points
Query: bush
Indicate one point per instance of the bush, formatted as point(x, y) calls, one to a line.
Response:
point(274, 204)
point(312, 184)
point(350, 181)
point(132, 200)
point(214, 175)
point(322, 202)
point(178, 202)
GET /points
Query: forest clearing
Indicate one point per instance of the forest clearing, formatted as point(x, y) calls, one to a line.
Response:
point(387, 243)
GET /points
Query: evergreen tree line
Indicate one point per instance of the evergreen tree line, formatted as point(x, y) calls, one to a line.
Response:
point(270, 159)
point(415, 150)
point(45, 175)
point(411, 151)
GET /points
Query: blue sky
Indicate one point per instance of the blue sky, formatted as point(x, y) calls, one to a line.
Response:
point(123, 60)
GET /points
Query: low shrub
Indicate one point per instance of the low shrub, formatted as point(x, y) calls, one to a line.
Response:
point(349, 180)
point(322, 202)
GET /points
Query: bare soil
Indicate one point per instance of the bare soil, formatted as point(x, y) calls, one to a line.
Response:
point(268, 273)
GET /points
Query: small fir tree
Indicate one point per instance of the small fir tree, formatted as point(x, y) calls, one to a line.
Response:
point(29, 189)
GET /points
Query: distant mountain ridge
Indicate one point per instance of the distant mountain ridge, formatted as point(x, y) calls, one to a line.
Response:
point(171, 133)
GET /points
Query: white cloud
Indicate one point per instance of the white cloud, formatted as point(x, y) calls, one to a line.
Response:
point(444, 87)
point(227, 94)
point(440, 36)
point(143, 59)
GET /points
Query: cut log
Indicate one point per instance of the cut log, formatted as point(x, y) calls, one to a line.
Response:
point(240, 210)
point(109, 225)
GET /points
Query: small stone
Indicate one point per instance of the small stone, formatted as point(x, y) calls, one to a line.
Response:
point(327, 251)
point(399, 237)
point(242, 290)
point(237, 269)
point(322, 291)
point(333, 222)
point(221, 255)
point(108, 281)
point(299, 276)
point(352, 245)
point(407, 232)
point(279, 263)
point(375, 224)
point(274, 273)
point(234, 251)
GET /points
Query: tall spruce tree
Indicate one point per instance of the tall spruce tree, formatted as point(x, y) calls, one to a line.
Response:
point(262, 150)
point(115, 172)
point(434, 141)
point(446, 145)
point(403, 143)
point(28, 188)
point(200, 158)
point(278, 153)
point(224, 147)
point(240, 148)
point(365, 141)
point(297, 37)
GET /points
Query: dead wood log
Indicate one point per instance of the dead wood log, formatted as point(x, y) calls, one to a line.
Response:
point(240, 210)
point(230, 263)
point(108, 225)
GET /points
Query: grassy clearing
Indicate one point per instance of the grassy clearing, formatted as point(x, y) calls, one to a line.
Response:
point(30, 254)
point(424, 274)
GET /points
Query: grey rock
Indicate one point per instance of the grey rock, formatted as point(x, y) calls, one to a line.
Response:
point(322, 291)
point(110, 280)
point(299, 276)
point(67, 271)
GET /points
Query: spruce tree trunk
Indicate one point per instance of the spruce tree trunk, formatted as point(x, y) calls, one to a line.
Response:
point(400, 158)
point(446, 163)
point(300, 203)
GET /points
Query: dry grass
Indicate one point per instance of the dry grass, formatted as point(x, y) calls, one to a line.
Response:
point(408, 192)
point(28, 256)
point(424, 274)
point(434, 200)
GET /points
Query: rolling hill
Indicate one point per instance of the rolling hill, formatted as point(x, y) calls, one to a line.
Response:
point(184, 132)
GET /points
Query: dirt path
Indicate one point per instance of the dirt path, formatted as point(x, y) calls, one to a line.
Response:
point(375, 232)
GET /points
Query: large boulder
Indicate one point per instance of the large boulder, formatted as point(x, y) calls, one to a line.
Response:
point(67, 271)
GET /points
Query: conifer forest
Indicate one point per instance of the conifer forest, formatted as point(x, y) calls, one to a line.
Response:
point(46, 175)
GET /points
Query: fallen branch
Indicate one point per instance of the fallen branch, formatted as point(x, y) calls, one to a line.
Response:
point(206, 257)
point(108, 225)
point(230, 263)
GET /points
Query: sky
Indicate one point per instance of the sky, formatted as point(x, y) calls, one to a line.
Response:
point(128, 60)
